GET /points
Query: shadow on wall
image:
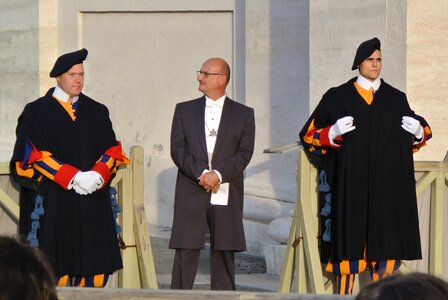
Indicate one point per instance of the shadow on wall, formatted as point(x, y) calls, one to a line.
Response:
point(289, 76)
point(164, 202)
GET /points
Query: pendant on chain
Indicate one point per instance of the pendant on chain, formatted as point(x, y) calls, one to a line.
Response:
point(213, 132)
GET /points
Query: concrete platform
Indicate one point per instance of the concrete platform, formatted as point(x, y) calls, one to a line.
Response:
point(134, 294)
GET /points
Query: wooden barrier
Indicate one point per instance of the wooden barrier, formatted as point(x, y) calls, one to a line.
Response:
point(302, 270)
point(138, 263)
point(8, 204)
point(435, 176)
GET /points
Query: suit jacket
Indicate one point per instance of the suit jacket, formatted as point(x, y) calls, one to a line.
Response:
point(233, 150)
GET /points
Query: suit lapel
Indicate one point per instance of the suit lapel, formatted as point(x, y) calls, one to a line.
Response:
point(223, 125)
point(200, 126)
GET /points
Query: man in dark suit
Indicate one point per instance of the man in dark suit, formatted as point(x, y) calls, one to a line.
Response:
point(212, 142)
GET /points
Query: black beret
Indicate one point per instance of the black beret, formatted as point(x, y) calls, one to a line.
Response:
point(68, 60)
point(366, 49)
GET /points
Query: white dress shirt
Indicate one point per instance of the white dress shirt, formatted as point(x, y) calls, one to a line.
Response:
point(367, 84)
point(212, 118)
point(59, 94)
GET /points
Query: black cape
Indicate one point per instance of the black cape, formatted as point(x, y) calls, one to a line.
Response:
point(77, 233)
point(371, 176)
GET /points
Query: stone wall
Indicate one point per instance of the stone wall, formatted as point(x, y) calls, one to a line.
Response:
point(277, 85)
point(427, 62)
point(19, 65)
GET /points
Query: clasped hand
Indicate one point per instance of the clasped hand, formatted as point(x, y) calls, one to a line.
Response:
point(87, 182)
point(209, 181)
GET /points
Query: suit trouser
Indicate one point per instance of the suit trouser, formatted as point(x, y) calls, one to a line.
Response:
point(222, 269)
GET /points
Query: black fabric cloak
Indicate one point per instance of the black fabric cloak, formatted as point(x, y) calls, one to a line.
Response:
point(371, 176)
point(77, 233)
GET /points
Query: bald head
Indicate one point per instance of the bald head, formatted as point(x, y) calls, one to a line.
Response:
point(221, 65)
point(214, 77)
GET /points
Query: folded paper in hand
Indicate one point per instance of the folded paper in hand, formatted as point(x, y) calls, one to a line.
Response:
point(222, 196)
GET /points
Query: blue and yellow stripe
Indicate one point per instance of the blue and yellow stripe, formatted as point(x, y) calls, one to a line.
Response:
point(97, 281)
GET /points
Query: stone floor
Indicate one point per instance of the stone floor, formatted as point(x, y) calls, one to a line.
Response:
point(251, 280)
point(245, 264)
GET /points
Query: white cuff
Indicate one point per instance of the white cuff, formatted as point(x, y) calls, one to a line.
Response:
point(70, 185)
point(219, 175)
point(330, 138)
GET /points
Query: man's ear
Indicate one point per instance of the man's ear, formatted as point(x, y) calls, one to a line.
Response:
point(223, 79)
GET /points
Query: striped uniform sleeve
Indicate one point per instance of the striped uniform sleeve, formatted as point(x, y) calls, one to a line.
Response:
point(26, 171)
point(316, 140)
point(427, 134)
point(46, 164)
point(110, 161)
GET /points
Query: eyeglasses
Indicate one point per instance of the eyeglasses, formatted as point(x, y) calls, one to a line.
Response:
point(206, 74)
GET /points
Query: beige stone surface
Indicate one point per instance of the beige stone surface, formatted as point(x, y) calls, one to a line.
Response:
point(427, 62)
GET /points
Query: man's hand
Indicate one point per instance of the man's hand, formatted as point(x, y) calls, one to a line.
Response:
point(215, 189)
point(412, 126)
point(209, 181)
point(342, 126)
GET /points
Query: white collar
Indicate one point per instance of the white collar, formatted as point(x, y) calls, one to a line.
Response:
point(367, 84)
point(218, 102)
point(63, 96)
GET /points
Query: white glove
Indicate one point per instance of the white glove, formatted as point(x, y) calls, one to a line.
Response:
point(79, 190)
point(342, 126)
point(412, 126)
point(87, 182)
point(73, 185)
